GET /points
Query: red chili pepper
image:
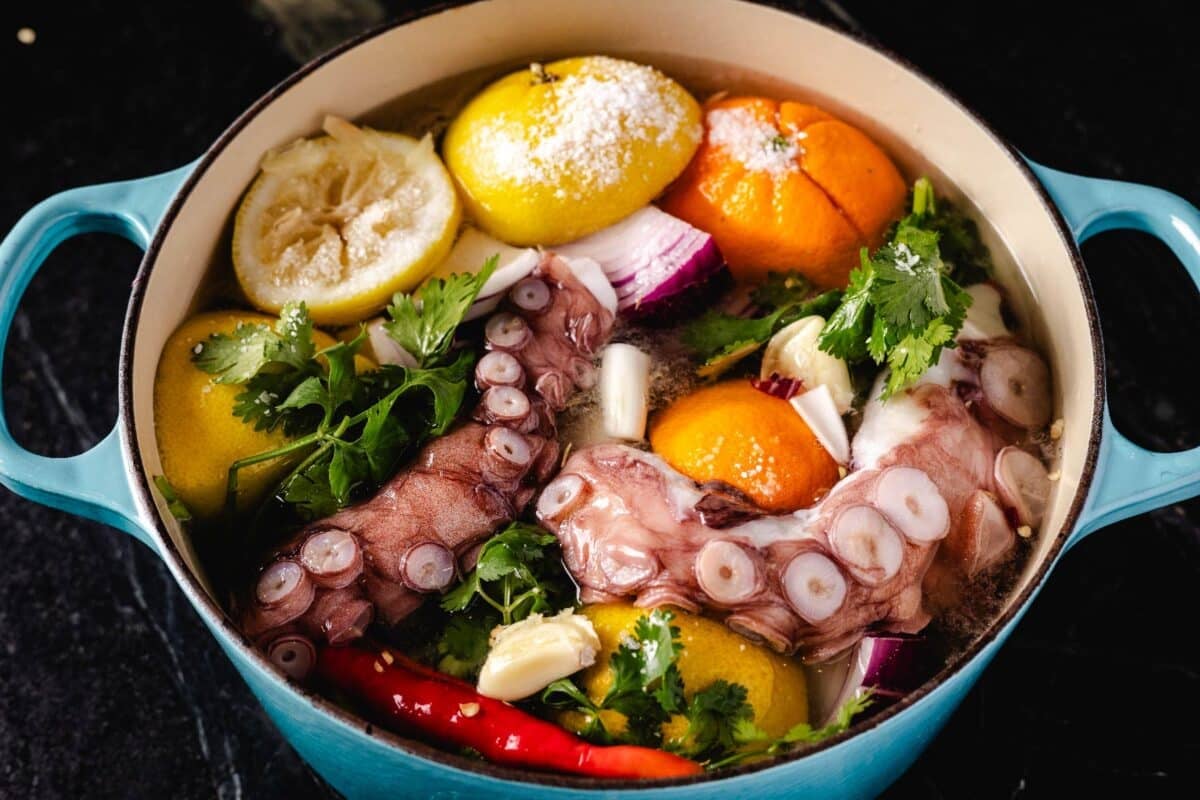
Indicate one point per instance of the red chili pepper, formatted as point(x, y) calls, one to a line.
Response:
point(450, 711)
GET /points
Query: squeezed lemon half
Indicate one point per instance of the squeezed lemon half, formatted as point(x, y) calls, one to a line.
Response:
point(343, 222)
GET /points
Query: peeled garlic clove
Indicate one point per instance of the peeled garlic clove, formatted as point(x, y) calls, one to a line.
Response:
point(819, 412)
point(793, 353)
point(529, 655)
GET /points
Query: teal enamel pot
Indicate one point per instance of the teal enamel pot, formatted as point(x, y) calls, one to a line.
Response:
point(1035, 218)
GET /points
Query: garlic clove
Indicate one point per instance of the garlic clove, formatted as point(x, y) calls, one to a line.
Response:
point(793, 352)
point(819, 412)
point(529, 655)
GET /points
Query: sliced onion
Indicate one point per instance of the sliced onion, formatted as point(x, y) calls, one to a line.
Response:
point(649, 257)
point(471, 251)
point(889, 665)
point(592, 276)
point(819, 412)
point(383, 349)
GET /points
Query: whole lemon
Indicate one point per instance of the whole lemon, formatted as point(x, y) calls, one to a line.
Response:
point(775, 685)
point(198, 434)
point(555, 152)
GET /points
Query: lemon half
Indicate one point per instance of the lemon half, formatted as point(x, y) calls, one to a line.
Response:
point(343, 222)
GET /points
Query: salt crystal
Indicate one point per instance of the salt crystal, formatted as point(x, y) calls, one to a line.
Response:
point(582, 142)
point(756, 144)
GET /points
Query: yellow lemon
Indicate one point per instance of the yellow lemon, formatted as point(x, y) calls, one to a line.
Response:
point(555, 152)
point(775, 685)
point(198, 434)
point(343, 222)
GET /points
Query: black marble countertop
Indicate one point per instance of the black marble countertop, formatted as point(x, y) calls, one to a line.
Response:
point(111, 687)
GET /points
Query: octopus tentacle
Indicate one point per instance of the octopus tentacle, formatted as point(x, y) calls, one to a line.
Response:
point(925, 468)
point(380, 559)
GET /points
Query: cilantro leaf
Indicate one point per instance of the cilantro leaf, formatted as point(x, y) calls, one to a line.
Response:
point(717, 716)
point(845, 332)
point(309, 492)
point(425, 325)
point(462, 646)
point(174, 503)
point(723, 339)
point(902, 306)
point(804, 733)
point(660, 645)
point(911, 356)
point(517, 573)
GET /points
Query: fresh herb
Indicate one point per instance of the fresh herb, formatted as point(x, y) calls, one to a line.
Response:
point(424, 326)
point(350, 430)
point(778, 143)
point(724, 339)
point(462, 644)
point(962, 247)
point(647, 689)
point(902, 306)
point(717, 717)
point(174, 504)
point(517, 574)
point(646, 686)
point(755, 743)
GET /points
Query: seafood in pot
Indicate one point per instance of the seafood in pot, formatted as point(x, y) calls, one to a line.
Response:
point(930, 481)
point(589, 432)
point(383, 557)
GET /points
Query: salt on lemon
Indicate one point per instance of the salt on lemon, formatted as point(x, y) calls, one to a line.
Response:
point(557, 151)
point(775, 685)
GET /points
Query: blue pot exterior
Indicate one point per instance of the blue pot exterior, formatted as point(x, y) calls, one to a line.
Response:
point(365, 767)
point(99, 485)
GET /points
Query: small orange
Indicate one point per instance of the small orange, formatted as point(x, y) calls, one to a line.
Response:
point(734, 433)
point(786, 186)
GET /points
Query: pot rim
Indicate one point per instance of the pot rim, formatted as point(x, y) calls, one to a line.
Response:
point(188, 582)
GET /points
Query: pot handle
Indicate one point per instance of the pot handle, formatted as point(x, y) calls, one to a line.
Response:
point(93, 484)
point(1130, 479)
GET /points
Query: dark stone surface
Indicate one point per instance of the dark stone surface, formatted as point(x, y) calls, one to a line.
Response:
point(110, 686)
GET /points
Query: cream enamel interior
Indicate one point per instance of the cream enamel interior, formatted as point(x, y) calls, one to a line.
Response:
point(923, 129)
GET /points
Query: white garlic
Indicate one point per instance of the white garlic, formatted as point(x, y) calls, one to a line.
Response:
point(529, 655)
point(793, 353)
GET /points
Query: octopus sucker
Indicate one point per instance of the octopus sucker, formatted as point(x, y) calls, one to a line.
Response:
point(379, 560)
point(933, 483)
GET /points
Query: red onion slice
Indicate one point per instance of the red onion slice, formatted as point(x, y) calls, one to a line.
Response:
point(891, 666)
point(650, 257)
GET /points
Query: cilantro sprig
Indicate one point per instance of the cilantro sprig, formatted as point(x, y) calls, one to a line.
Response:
point(518, 572)
point(646, 685)
point(648, 689)
point(349, 430)
point(723, 339)
point(515, 574)
point(903, 306)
